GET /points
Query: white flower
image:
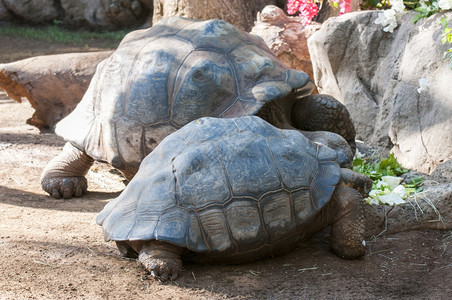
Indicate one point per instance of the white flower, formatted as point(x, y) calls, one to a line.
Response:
point(400, 190)
point(445, 4)
point(381, 184)
point(398, 6)
point(422, 3)
point(423, 85)
point(391, 199)
point(387, 18)
point(392, 181)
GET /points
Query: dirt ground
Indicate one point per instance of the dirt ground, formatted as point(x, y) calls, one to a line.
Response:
point(53, 249)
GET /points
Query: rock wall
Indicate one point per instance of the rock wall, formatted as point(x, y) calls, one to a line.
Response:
point(376, 75)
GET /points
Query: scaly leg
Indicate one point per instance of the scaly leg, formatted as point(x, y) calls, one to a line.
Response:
point(161, 259)
point(323, 113)
point(64, 176)
point(347, 223)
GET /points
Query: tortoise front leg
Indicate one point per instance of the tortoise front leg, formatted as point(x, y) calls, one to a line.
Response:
point(320, 112)
point(162, 260)
point(345, 211)
point(64, 176)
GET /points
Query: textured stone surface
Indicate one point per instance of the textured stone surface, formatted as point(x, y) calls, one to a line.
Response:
point(376, 75)
point(286, 36)
point(105, 13)
point(88, 13)
point(53, 84)
point(5, 14)
point(34, 11)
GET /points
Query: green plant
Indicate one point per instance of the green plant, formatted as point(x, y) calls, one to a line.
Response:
point(387, 187)
point(385, 167)
point(55, 33)
point(447, 38)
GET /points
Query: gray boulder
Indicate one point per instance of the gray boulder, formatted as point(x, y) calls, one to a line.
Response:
point(376, 75)
point(105, 13)
point(33, 11)
point(87, 13)
point(5, 14)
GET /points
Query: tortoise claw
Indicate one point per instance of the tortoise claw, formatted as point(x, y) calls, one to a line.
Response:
point(161, 269)
point(161, 260)
point(65, 187)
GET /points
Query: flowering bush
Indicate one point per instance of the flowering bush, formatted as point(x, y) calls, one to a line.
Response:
point(424, 8)
point(388, 17)
point(308, 9)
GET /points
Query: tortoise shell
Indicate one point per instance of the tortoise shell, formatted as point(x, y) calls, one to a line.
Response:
point(161, 78)
point(227, 188)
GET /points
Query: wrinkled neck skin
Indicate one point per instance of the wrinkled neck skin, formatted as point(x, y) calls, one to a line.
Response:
point(278, 112)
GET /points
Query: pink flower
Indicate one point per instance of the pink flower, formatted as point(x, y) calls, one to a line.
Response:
point(308, 10)
point(293, 6)
point(345, 6)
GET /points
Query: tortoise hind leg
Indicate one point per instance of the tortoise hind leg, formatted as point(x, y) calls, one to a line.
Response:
point(347, 223)
point(162, 260)
point(64, 175)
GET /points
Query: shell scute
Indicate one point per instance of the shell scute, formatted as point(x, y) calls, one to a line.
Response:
point(213, 34)
point(293, 160)
point(194, 170)
point(277, 214)
point(244, 220)
point(249, 165)
point(215, 230)
point(204, 86)
point(172, 226)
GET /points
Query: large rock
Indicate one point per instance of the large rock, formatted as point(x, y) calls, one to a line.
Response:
point(33, 11)
point(286, 36)
point(106, 13)
point(53, 84)
point(5, 14)
point(376, 75)
point(429, 209)
point(85, 13)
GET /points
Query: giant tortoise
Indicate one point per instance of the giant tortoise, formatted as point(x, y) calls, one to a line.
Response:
point(161, 78)
point(234, 190)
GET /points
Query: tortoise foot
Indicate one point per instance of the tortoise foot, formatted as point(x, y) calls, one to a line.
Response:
point(64, 175)
point(65, 187)
point(347, 230)
point(161, 260)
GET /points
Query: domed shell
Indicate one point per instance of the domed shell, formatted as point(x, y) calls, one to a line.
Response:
point(161, 78)
point(224, 186)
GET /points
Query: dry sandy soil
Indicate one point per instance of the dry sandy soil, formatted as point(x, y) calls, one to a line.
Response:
point(52, 249)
